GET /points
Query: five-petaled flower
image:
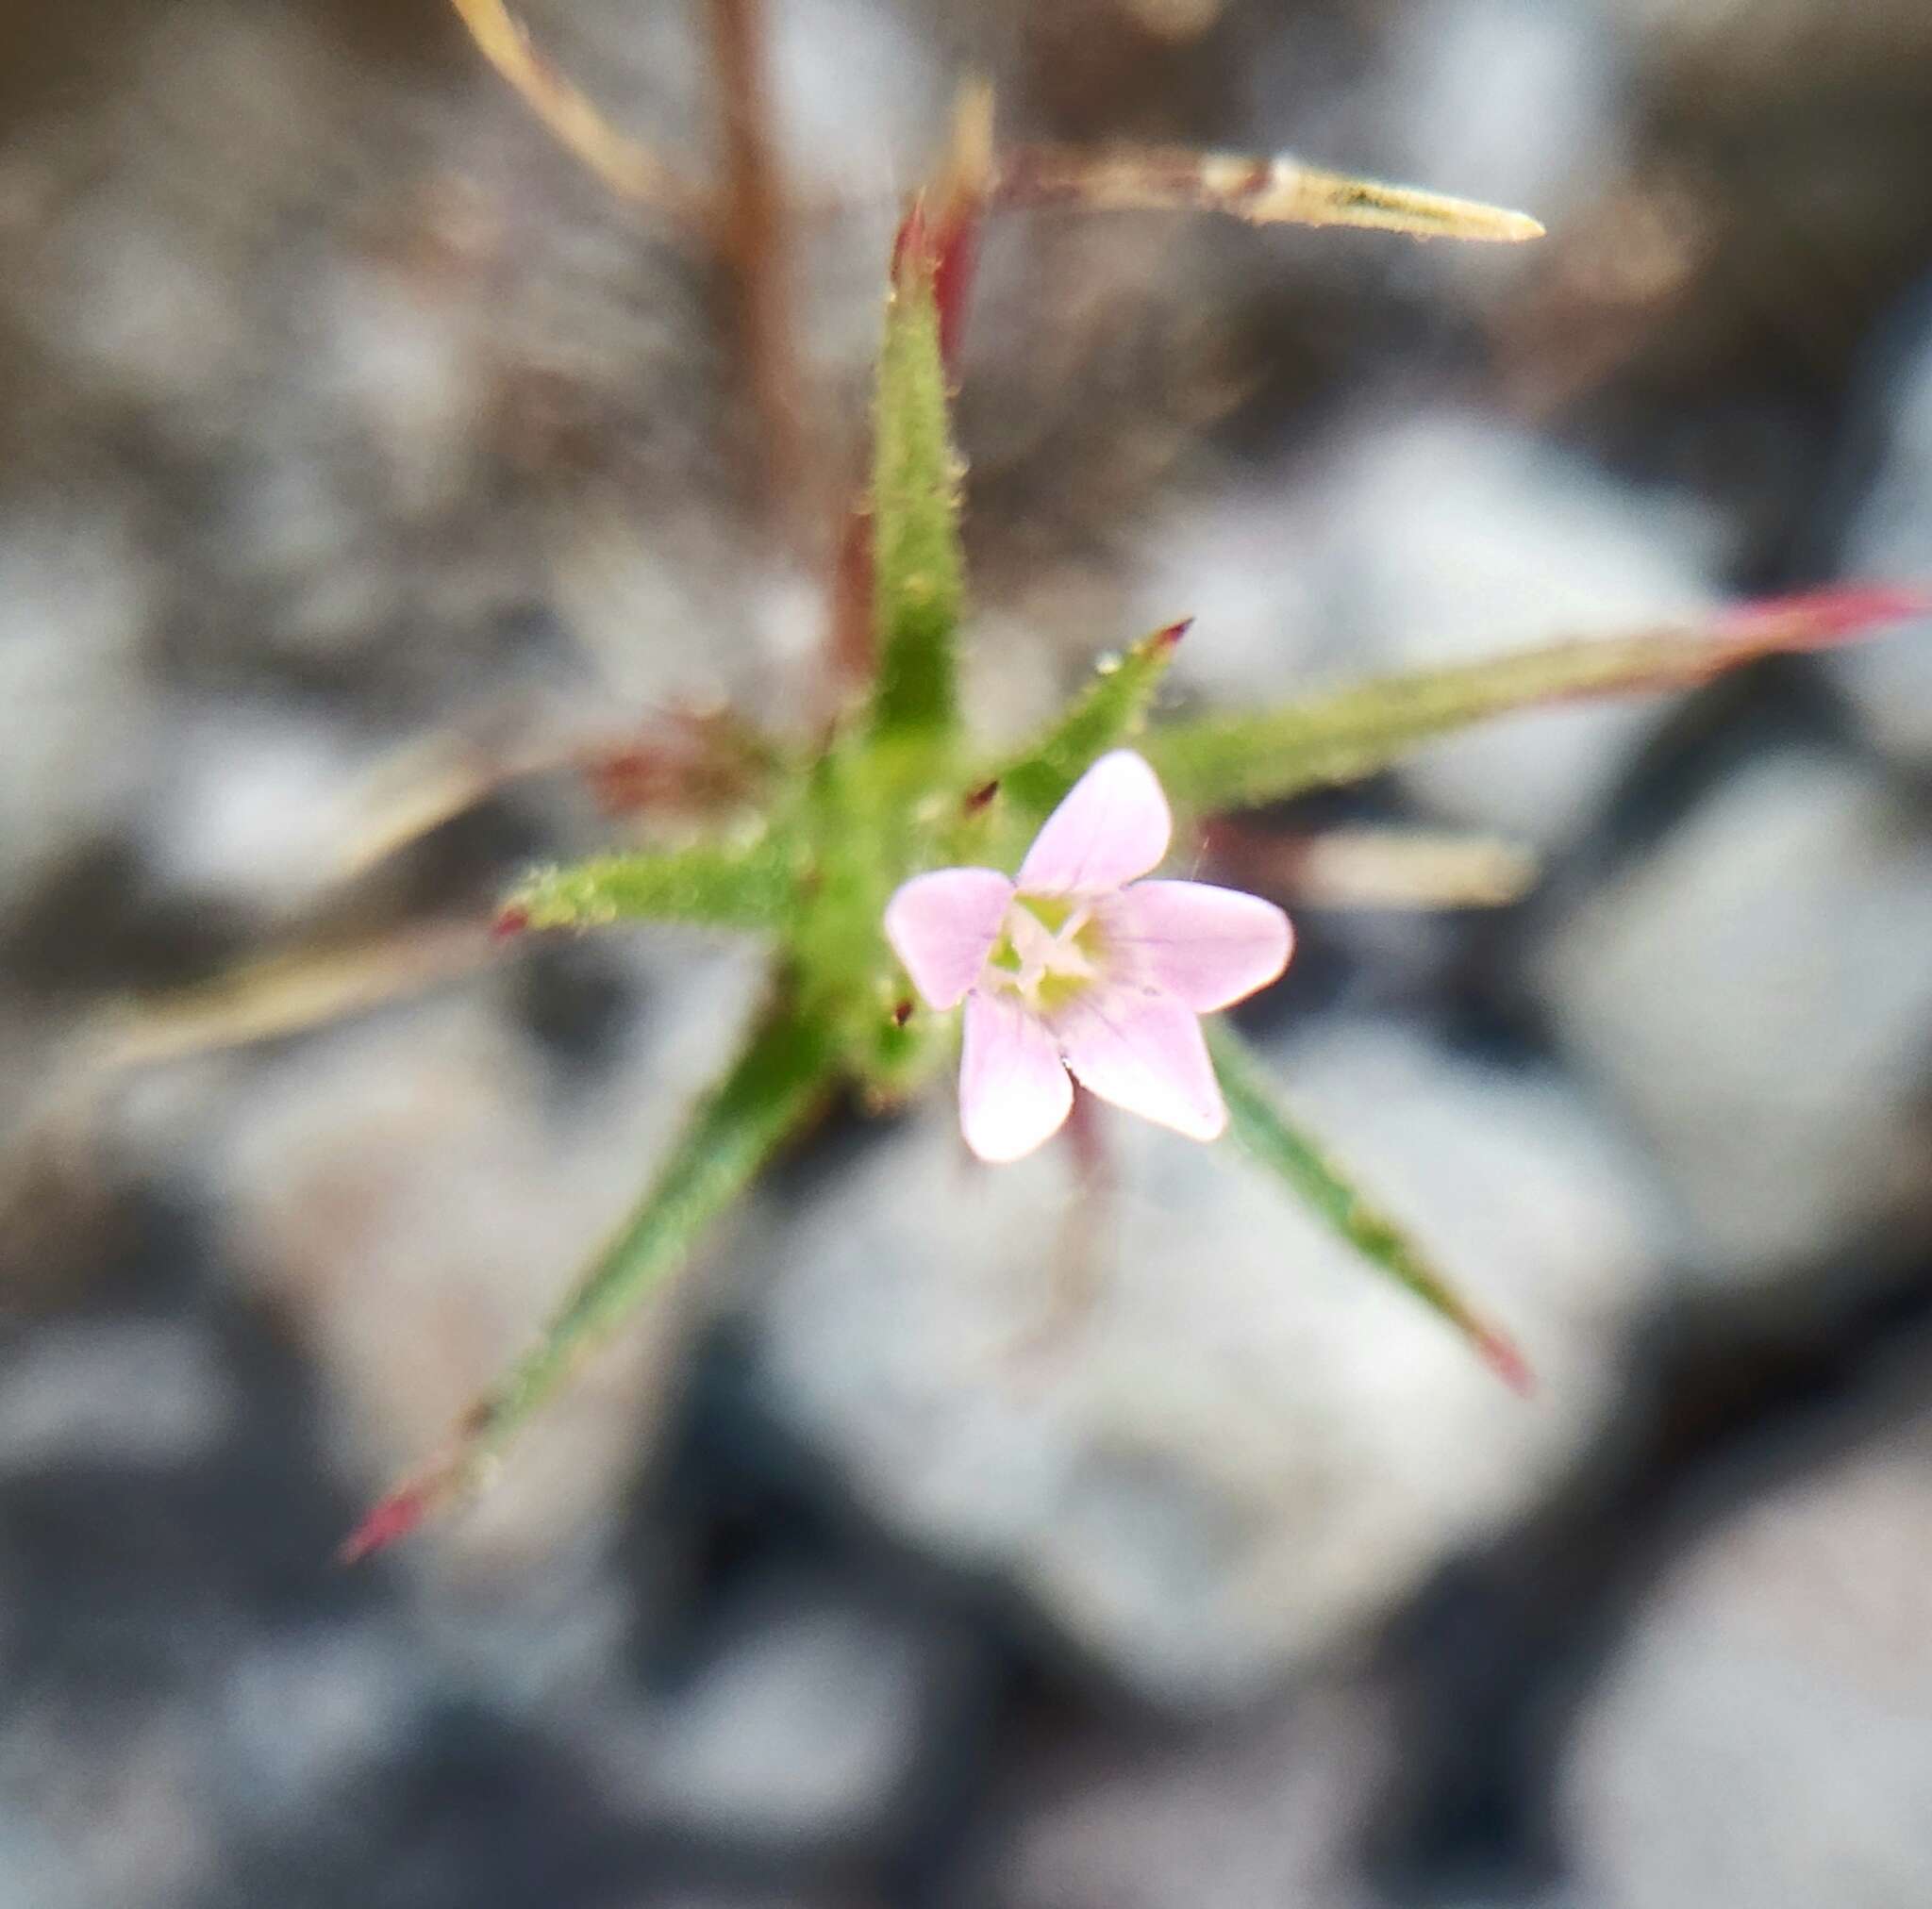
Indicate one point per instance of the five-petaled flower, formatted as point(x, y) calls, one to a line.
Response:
point(1080, 966)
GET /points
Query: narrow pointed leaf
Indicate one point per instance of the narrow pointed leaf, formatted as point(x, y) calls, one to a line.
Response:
point(1232, 761)
point(289, 993)
point(1109, 712)
point(1372, 866)
point(1257, 1120)
point(768, 1095)
point(695, 763)
point(1261, 190)
point(956, 210)
point(628, 168)
point(917, 591)
point(948, 227)
point(714, 884)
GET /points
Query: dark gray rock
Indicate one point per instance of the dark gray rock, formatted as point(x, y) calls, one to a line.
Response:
point(1261, 1811)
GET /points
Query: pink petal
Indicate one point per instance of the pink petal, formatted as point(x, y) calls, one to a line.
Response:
point(942, 927)
point(1209, 947)
point(1113, 825)
point(1014, 1094)
point(1144, 1051)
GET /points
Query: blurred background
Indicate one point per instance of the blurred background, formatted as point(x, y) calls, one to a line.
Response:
point(360, 448)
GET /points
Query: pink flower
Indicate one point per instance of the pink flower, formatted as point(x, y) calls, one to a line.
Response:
point(1078, 967)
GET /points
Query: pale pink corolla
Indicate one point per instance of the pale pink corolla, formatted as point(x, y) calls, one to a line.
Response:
point(1080, 967)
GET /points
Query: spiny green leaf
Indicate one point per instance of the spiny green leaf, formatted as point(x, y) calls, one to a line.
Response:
point(711, 884)
point(1259, 1122)
point(1234, 761)
point(1111, 710)
point(776, 1084)
point(917, 591)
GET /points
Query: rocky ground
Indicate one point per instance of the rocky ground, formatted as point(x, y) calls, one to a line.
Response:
point(351, 432)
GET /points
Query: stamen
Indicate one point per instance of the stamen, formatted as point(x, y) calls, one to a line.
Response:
point(1047, 953)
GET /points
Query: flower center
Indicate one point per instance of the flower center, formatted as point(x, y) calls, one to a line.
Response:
point(1048, 952)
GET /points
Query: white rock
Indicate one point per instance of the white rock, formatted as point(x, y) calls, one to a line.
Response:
point(1765, 1736)
point(1755, 992)
point(74, 728)
point(1459, 542)
point(1246, 562)
point(398, 1191)
point(1252, 1443)
point(1890, 541)
point(256, 809)
point(139, 310)
point(405, 367)
point(307, 1718)
point(1550, 129)
point(1425, 541)
point(860, 100)
point(677, 611)
point(114, 1392)
point(102, 1812)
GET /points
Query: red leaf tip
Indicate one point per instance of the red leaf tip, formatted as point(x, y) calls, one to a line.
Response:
point(396, 1516)
point(1172, 634)
point(1500, 1353)
point(1826, 616)
point(510, 923)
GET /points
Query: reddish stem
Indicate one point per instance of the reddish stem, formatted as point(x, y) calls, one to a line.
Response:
point(754, 239)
